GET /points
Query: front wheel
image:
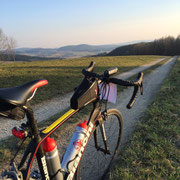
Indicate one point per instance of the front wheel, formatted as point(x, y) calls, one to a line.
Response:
point(95, 162)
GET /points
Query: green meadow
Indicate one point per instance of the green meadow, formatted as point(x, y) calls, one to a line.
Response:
point(63, 75)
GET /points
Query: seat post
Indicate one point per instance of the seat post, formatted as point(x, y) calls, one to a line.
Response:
point(36, 133)
point(33, 124)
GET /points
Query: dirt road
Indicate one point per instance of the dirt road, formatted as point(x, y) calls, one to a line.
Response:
point(151, 83)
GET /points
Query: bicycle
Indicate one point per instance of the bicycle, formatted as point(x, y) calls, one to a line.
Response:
point(102, 136)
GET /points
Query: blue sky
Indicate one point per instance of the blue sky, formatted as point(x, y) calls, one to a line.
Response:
point(55, 23)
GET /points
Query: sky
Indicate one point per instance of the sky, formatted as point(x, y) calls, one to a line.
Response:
point(56, 23)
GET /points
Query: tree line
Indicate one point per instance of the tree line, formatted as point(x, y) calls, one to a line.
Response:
point(7, 44)
point(167, 46)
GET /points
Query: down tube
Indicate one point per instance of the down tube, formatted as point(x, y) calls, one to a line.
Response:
point(72, 165)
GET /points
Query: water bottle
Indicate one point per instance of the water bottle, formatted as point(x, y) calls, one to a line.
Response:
point(52, 158)
point(74, 146)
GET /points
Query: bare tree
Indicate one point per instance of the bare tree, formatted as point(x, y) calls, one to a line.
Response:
point(11, 44)
point(2, 39)
point(2, 43)
point(7, 44)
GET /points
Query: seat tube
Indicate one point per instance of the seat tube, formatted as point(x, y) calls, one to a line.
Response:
point(40, 153)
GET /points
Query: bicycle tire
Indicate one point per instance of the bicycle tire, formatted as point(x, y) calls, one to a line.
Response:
point(95, 164)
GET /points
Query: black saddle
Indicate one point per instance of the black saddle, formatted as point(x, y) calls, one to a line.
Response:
point(16, 97)
point(20, 94)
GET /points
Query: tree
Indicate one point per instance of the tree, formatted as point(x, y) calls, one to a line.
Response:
point(177, 44)
point(2, 43)
point(166, 46)
point(11, 44)
point(7, 44)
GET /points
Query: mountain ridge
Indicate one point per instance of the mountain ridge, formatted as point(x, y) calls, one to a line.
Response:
point(70, 51)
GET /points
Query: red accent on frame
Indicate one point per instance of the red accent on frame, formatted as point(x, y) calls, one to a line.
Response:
point(39, 84)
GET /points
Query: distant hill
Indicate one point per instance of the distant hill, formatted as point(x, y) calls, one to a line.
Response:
point(40, 52)
point(168, 46)
point(25, 58)
point(88, 48)
point(123, 50)
point(71, 51)
point(66, 51)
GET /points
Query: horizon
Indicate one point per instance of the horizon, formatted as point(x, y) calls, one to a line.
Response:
point(47, 24)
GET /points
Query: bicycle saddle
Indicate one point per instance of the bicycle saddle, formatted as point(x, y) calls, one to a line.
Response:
point(19, 95)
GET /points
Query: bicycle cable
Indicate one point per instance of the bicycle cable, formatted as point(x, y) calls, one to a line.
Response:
point(19, 148)
point(105, 90)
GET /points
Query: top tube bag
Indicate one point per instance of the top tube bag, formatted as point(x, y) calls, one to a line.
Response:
point(86, 92)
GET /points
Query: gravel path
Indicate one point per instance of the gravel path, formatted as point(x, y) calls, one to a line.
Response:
point(151, 85)
point(92, 157)
point(49, 108)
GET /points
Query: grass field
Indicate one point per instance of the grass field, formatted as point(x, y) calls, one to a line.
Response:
point(153, 152)
point(63, 75)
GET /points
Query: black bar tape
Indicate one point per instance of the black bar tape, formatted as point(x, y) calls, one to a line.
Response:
point(89, 74)
point(133, 98)
point(122, 82)
point(90, 67)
